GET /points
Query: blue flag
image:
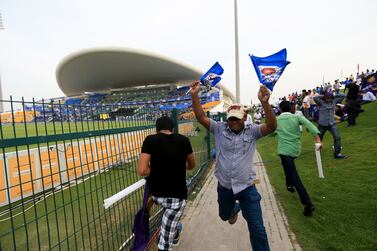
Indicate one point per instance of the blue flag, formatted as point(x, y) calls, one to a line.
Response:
point(212, 76)
point(270, 68)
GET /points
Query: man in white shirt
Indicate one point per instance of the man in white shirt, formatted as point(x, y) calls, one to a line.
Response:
point(257, 117)
point(249, 119)
point(366, 96)
point(306, 105)
point(337, 86)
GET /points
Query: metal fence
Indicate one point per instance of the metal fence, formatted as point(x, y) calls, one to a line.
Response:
point(59, 162)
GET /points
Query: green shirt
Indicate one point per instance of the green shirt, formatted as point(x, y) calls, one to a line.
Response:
point(289, 135)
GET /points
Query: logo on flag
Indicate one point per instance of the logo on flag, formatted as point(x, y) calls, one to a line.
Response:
point(212, 77)
point(270, 68)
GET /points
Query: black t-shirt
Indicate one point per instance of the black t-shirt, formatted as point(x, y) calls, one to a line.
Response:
point(168, 164)
point(353, 92)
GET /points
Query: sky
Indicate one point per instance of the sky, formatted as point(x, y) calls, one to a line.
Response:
point(324, 39)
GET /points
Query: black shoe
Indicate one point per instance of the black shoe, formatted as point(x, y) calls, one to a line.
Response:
point(291, 189)
point(340, 156)
point(308, 210)
point(177, 234)
point(233, 219)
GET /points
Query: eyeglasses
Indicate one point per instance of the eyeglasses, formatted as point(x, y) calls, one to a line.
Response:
point(233, 119)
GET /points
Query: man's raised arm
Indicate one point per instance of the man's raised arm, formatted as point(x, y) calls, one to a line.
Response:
point(198, 110)
point(270, 122)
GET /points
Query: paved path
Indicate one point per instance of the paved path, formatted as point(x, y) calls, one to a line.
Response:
point(205, 231)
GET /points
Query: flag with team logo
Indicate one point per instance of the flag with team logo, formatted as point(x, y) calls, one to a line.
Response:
point(212, 77)
point(270, 68)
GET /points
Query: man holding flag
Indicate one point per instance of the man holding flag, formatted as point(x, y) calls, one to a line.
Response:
point(235, 148)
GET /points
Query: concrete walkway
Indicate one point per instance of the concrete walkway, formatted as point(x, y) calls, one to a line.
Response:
point(205, 231)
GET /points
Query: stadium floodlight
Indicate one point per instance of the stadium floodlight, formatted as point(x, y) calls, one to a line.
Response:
point(1, 97)
point(1, 23)
point(236, 52)
point(1, 87)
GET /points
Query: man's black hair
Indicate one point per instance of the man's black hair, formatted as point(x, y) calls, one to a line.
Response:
point(285, 106)
point(164, 123)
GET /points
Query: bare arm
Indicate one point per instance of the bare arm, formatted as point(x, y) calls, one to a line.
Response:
point(318, 140)
point(309, 125)
point(339, 98)
point(143, 168)
point(198, 110)
point(190, 159)
point(318, 99)
point(270, 123)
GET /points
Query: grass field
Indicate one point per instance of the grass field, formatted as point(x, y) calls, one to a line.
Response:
point(20, 130)
point(346, 199)
point(75, 218)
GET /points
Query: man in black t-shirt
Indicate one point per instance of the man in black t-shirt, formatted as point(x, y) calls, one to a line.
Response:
point(164, 157)
point(353, 107)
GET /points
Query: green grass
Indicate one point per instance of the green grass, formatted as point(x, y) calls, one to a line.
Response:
point(199, 146)
point(74, 218)
point(20, 130)
point(346, 199)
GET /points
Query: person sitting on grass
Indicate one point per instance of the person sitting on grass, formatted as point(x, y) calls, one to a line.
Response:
point(366, 96)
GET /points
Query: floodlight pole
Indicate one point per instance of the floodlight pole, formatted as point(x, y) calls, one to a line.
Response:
point(1, 87)
point(236, 52)
point(1, 97)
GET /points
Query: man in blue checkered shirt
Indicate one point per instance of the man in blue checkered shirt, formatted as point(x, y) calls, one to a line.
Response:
point(235, 147)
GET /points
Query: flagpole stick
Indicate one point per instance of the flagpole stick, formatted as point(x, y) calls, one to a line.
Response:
point(319, 161)
point(188, 91)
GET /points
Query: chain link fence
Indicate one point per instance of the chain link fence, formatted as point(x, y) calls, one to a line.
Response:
point(59, 162)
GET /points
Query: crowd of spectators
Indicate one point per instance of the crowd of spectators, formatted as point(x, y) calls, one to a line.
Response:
point(162, 99)
point(146, 103)
point(355, 91)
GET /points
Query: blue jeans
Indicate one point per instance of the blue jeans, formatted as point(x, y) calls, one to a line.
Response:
point(335, 134)
point(293, 179)
point(249, 204)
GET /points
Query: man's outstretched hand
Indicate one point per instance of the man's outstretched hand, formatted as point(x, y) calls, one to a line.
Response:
point(263, 94)
point(195, 87)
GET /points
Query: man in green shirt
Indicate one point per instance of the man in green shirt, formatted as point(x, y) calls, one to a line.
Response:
point(289, 148)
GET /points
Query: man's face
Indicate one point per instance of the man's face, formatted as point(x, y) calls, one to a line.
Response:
point(236, 124)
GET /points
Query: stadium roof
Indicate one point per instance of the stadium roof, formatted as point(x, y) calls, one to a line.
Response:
point(103, 69)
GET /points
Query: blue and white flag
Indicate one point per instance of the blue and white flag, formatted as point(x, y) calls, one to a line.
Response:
point(212, 76)
point(270, 68)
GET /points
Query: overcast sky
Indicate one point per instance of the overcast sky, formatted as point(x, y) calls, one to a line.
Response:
point(323, 38)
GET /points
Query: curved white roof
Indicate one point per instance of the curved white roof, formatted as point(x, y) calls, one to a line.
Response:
point(103, 69)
